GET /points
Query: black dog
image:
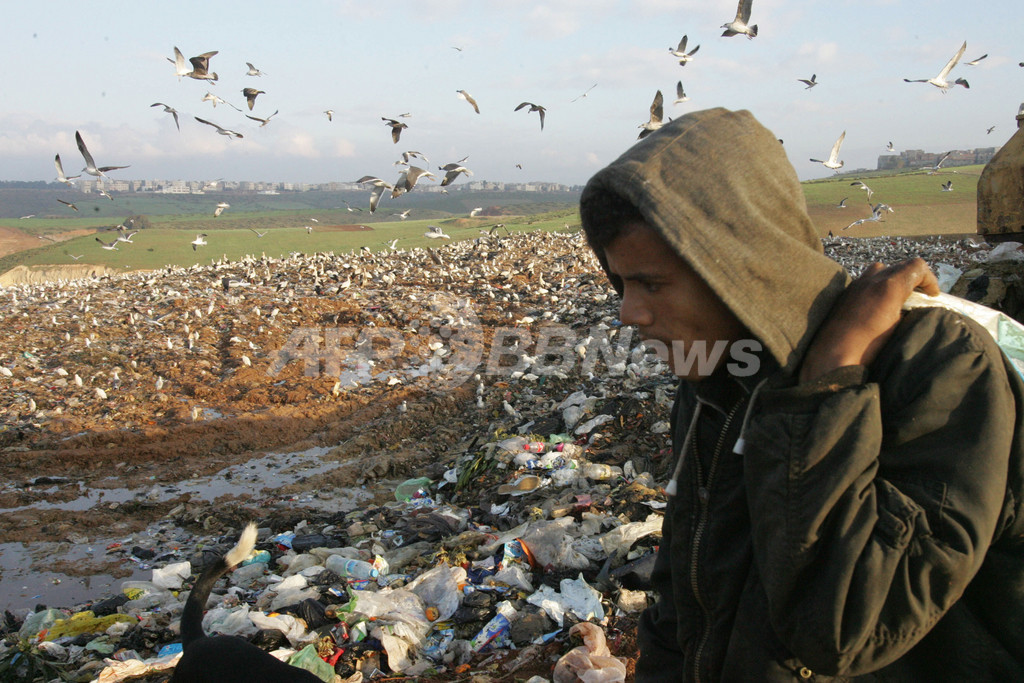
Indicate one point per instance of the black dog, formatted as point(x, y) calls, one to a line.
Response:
point(225, 659)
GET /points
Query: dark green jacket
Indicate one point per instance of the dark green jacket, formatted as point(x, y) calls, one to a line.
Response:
point(872, 524)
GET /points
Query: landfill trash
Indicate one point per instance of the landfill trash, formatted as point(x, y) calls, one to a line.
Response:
point(172, 575)
point(412, 488)
point(574, 596)
point(591, 662)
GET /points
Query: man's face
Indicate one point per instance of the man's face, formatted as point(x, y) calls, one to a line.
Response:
point(667, 301)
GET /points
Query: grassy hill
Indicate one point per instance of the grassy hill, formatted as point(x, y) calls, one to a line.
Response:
point(921, 208)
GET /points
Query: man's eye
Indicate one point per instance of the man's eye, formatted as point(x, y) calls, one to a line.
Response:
point(651, 287)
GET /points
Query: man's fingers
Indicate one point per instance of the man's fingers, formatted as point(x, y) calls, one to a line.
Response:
point(918, 276)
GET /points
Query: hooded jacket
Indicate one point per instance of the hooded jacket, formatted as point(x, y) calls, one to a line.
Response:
point(865, 524)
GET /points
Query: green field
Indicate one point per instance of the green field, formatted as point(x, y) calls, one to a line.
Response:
point(921, 208)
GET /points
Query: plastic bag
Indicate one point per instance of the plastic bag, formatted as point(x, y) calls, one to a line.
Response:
point(591, 662)
point(307, 659)
point(574, 595)
point(171, 576)
point(439, 588)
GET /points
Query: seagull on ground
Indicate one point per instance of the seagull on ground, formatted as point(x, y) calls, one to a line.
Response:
point(533, 108)
point(169, 110)
point(833, 158)
point(463, 95)
point(250, 96)
point(220, 208)
point(223, 131)
point(111, 246)
point(580, 97)
point(199, 241)
point(408, 178)
point(940, 81)
point(263, 122)
point(90, 165)
point(809, 83)
point(60, 172)
point(680, 94)
point(741, 23)
point(396, 128)
point(947, 186)
point(436, 233)
point(657, 112)
point(864, 187)
point(68, 204)
point(253, 71)
point(378, 189)
point(330, 114)
point(452, 171)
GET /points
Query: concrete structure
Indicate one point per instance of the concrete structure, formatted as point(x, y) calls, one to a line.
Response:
point(1001, 190)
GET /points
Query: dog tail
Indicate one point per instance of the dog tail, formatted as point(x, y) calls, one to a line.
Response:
point(192, 614)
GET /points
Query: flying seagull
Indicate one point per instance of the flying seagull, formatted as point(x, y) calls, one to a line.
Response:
point(222, 131)
point(123, 236)
point(740, 23)
point(533, 108)
point(90, 165)
point(330, 114)
point(864, 187)
point(408, 155)
point(452, 171)
point(580, 97)
point(435, 232)
point(809, 83)
point(68, 204)
point(199, 241)
point(112, 246)
point(877, 211)
point(842, 203)
point(408, 178)
point(474, 212)
point(104, 193)
point(220, 208)
point(947, 186)
point(396, 128)
point(463, 95)
point(889, 147)
point(974, 62)
point(210, 97)
point(833, 158)
point(60, 172)
point(657, 111)
point(932, 170)
point(250, 96)
point(403, 215)
point(940, 81)
point(263, 122)
point(680, 93)
point(378, 189)
point(169, 110)
point(989, 130)
point(258, 233)
point(681, 53)
point(253, 71)
point(200, 66)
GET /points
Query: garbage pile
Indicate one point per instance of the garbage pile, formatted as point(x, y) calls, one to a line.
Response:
point(512, 510)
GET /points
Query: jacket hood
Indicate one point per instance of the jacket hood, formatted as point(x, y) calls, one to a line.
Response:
point(718, 187)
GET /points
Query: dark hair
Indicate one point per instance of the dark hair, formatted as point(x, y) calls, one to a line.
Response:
point(604, 214)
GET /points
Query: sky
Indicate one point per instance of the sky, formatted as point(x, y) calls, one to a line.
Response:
point(97, 68)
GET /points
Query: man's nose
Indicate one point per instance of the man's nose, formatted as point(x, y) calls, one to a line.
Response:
point(633, 310)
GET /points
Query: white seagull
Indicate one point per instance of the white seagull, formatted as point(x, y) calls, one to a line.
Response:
point(263, 122)
point(833, 158)
point(223, 131)
point(947, 186)
point(435, 233)
point(889, 147)
point(169, 110)
point(864, 187)
point(681, 53)
point(463, 95)
point(60, 172)
point(680, 94)
point(330, 114)
point(452, 171)
point(940, 81)
point(378, 189)
point(112, 246)
point(741, 23)
point(809, 83)
point(253, 71)
point(407, 180)
point(657, 112)
point(90, 165)
point(199, 241)
point(220, 209)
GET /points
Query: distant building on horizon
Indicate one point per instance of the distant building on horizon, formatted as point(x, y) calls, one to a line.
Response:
point(918, 158)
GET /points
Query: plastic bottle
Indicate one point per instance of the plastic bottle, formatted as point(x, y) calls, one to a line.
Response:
point(599, 471)
point(350, 569)
point(412, 488)
point(535, 447)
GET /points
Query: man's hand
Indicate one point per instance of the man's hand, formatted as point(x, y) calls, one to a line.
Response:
point(864, 317)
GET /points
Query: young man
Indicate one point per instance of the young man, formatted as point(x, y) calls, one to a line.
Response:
point(849, 503)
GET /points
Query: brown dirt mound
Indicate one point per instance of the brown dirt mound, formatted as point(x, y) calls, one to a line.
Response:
point(27, 275)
